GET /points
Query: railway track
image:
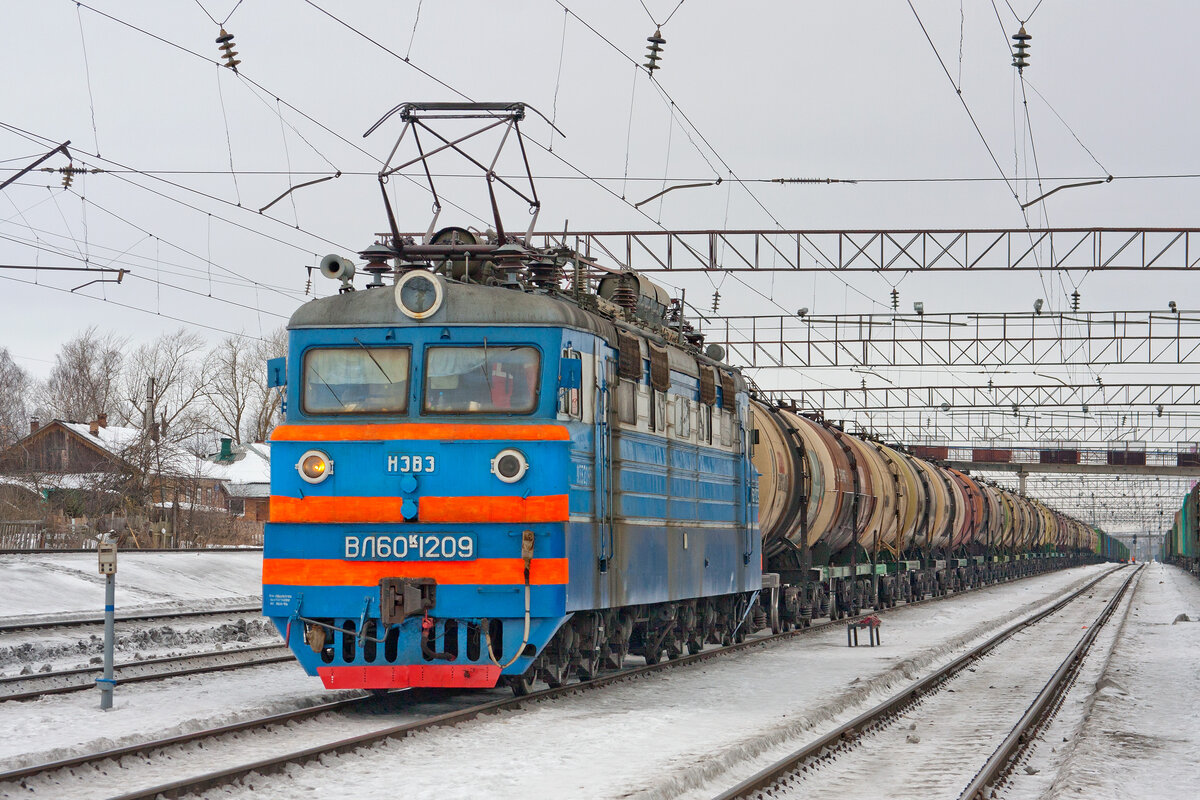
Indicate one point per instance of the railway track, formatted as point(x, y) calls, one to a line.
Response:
point(427, 709)
point(145, 616)
point(943, 744)
point(40, 684)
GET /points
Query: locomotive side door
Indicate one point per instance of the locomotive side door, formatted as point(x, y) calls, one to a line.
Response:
point(604, 378)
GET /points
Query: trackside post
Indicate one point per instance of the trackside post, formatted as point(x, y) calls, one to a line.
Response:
point(107, 551)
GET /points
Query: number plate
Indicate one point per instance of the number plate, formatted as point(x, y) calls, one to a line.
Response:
point(405, 463)
point(410, 547)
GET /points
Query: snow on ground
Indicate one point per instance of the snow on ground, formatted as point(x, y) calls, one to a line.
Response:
point(23, 652)
point(59, 726)
point(683, 731)
point(960, 726)
point(1142, 735)
point(47, 586)
point(42, 587)
point(1040, 764)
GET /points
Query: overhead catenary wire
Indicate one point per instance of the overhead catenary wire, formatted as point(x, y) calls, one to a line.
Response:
point(244, 77)
point(132, 307)
point(665, 21)
point(562, 49)
point(87, 71)
point(123, 176)
point(958, 93)
point(580, 177)
point(658, 178)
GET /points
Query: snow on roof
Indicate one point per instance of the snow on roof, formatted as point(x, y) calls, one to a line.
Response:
point(58, 480)
point(113, 438)
point(251, 464)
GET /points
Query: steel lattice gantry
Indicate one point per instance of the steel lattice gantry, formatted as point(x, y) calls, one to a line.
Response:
point(1032, 428)
point(1143, 396)
point(887, 250)
point(958, 339)
point(1129, 501)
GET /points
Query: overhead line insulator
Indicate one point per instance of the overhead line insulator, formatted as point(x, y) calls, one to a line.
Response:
point(225, 45)
point(1021, 49)
point(655, 49)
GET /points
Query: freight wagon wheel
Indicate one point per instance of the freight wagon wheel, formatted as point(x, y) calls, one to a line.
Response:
point(674, 645)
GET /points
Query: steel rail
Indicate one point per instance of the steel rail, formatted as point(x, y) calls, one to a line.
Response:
point(214, 779)
point(43, 551)
point(898, 702)
point(183, 738)
point(31, 625)
point(236, 653)
point(1001, 761)
point(279, 763)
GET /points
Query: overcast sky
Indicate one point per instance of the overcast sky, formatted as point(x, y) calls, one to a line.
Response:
point(771, 89)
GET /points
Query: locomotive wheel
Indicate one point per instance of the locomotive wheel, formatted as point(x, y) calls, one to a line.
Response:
point(694, 646)
point(589, 666)
point(554, 674)
point(521, 685)
point(614, 658)
point(653, 656)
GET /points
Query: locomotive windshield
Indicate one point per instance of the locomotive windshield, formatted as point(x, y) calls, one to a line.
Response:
point(356, 380)
point(481, 380)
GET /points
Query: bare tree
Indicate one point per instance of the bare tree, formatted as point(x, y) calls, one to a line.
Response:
point(265, 401)
point(14, 399)
point(231, 387)
point(174, 362)
point(84, 379)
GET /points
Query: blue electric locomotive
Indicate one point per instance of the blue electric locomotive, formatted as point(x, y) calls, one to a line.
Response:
point(495, 468)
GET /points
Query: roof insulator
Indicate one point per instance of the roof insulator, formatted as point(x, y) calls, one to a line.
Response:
point(652, 57)
point(1021, 49)
point(225, 45)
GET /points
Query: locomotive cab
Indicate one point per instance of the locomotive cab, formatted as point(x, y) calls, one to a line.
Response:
point(419, 493)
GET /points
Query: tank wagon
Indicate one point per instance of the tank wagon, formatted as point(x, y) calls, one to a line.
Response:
point(501, 464)
point(1181, 543)
point(851, 523)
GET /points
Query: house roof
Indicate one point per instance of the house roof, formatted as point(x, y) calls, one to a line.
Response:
point(113, 438)
point(247, 475)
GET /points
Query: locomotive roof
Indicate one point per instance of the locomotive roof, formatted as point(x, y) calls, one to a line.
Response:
point(477, 304)
point(465, 304)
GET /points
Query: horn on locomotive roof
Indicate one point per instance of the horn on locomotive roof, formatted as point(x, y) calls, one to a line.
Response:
point(425, 117)
point(338, 268)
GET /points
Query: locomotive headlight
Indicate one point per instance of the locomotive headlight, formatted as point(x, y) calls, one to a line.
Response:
point(419, 294)
point(510, 465)
point(314, 466)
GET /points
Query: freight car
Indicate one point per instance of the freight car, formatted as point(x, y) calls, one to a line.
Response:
point(510, 464)
point(1181, 544)
point(1110, 549)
